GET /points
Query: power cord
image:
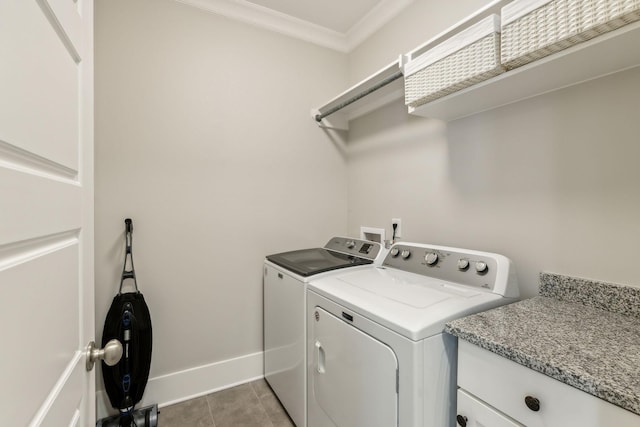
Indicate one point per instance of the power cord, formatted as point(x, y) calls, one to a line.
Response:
point(395, 227)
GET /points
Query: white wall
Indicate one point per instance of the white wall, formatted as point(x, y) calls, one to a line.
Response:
point(204, 138)
point(551, 182)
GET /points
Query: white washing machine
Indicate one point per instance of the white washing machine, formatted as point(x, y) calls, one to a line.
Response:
point(377, 353)
point(285, 281)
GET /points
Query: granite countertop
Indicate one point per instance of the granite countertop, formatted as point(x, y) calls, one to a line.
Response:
point(581, 332)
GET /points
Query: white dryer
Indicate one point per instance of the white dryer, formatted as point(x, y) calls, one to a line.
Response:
point(285, 284)
point(377, 353)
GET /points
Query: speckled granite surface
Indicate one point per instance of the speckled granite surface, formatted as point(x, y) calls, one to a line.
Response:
point(606, 296)
point(583, 333)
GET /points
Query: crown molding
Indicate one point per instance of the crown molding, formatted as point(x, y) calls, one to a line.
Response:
point(272, 20)
point(377, 17)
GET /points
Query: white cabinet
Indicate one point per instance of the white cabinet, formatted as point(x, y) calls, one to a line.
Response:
point(475, 413)
point(496, 392)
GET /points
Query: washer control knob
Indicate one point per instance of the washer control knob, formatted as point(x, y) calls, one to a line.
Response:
point(431, 258)
point(394, 252)
point(350, 244)
point(481, 267)
point(406, 253)
point(463, 264)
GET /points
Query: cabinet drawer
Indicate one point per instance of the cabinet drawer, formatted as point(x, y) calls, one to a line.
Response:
point(478, 414)
point(505, 385)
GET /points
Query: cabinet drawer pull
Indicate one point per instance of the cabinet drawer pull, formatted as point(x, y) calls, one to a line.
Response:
point(532, 403)
point(462, 420)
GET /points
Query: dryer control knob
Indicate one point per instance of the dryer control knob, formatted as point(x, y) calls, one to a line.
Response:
point(405, 253)
point(350, 244)
point(431, 258)
point(463, 264)
point(394, 252)
point(481, 267)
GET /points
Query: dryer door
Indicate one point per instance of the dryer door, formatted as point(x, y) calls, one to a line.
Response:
point(354, 375)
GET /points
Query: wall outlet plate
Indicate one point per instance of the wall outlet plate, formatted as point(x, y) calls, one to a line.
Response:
point(398, 228)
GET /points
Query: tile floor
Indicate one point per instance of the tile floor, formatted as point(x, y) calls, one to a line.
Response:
point(248, 405)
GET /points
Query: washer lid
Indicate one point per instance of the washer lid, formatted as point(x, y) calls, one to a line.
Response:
point(410, 304)
point(339, 252)
point(307, 262)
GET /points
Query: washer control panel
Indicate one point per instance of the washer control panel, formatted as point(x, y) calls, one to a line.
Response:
point(471, 268)
point(360, 248)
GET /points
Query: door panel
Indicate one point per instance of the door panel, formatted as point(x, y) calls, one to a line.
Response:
point(40, 88)
point(64, 396)
point(36, 267)
point(68, 23)
point(41, 205)
point(46, 212)
point(354, 375)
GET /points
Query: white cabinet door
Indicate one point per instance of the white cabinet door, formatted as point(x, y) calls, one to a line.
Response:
point(354, 375)
point(506, 386)
point(46, 212)
point(478, 414)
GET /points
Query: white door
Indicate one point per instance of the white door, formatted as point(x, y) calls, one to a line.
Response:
point(46, 212)
point(354, 376)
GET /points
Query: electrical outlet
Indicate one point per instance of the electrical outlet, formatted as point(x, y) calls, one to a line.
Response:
point(398, 228)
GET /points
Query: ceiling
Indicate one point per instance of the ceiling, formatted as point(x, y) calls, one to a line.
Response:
point(336, 15)
point(337, 24)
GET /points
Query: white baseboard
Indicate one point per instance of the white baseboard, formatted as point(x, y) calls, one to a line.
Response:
point(193, 382)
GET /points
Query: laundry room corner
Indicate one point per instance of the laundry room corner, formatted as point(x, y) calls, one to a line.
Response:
point(362, 213)
point(547, 181)
point(203, 138)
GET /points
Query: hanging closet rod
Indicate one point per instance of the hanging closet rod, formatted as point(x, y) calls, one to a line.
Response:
point(361, 95)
